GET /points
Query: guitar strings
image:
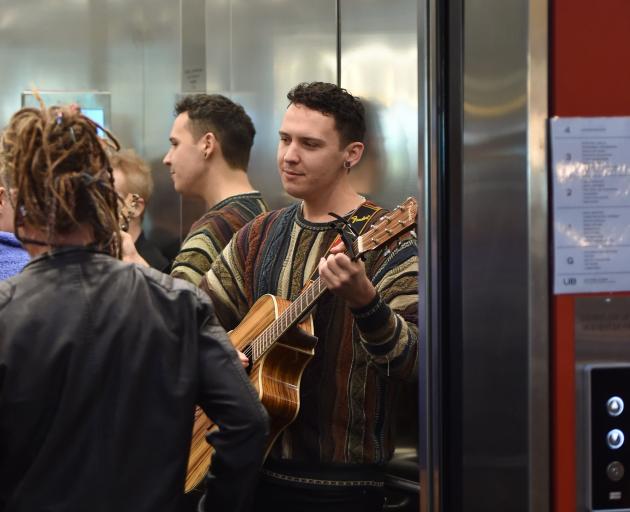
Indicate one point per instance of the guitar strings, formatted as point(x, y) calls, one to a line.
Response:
point(259, 341)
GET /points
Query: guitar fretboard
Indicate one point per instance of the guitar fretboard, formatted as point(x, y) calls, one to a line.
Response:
point(290, 317)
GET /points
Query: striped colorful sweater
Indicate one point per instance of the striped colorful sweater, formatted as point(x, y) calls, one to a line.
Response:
point(349, 389)
point(211, 233)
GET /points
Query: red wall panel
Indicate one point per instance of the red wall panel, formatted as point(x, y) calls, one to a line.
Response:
point(589, 76)
point(590, 58)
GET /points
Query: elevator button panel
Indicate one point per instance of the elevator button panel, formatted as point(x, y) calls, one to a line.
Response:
point(614, 406)
point(609, 389)
point(615, 471)
point(615, 439)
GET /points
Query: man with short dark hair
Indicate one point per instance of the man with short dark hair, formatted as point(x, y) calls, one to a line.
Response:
point(211, 140)
point(331, 457)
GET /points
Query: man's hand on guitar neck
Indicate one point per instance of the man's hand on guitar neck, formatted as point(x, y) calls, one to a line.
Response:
point(346, 278)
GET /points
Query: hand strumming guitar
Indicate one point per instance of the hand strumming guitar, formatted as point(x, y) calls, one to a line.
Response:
point(346, 278)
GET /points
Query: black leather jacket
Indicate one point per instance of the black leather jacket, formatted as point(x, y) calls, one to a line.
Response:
point(101, 363)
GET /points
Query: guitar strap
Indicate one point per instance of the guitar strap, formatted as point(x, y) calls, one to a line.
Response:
point(359, 220)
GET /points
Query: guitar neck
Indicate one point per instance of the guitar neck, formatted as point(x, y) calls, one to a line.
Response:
point(289, 318)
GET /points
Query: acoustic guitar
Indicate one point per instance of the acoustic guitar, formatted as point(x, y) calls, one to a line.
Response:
point(278, 352)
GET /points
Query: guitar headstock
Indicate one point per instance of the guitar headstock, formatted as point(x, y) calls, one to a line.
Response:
point(128, 209)
point(400, 220)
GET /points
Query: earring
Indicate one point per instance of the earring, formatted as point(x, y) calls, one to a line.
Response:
point(347, 165)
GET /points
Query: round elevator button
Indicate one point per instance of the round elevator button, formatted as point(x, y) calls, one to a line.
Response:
point(615, 471)
point(614, 406)
point(615, 439)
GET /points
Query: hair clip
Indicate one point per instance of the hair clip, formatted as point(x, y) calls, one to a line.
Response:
point(72, 135)
point(88, 179)
point(59, 117)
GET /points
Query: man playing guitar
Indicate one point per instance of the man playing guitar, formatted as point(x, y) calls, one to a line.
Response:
point(331, 456)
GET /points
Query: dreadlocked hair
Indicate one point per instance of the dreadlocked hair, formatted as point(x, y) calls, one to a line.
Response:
point(61, 172)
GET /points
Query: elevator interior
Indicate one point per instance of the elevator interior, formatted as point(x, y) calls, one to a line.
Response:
point(486, 321)
point(142, 55)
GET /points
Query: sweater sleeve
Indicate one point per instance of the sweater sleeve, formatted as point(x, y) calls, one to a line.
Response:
point(225, 282)
point(197, 253)
point(387, 327)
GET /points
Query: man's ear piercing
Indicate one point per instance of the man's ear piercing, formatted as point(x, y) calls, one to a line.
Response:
point(347, 165)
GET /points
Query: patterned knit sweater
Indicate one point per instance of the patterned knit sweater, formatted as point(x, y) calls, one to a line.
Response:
point(211, 233)
point(349, 389)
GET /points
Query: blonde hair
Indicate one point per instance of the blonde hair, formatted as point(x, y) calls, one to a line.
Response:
point(137, 172)
point(61, 173)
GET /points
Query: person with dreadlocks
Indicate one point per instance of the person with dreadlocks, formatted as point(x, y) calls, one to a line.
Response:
point(102, 362)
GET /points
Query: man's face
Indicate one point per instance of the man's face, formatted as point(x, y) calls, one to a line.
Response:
point(185, 158)
point(310, 159)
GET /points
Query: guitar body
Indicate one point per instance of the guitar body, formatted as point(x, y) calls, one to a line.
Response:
point(276, 376)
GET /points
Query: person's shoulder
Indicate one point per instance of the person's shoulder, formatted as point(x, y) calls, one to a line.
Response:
point(7, 289)
point(172, 287)
point(269, 225)
point(279, 213)
point(268, 218)
point(244, 206)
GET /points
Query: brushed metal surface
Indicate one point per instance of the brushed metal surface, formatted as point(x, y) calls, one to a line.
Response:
point(275, 45)
point(539, 379)
point(128, 49)
point(379, 61)
point(498, 267)
point(429, 443)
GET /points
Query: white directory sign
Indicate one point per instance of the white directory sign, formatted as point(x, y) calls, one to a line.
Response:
point(591, 204)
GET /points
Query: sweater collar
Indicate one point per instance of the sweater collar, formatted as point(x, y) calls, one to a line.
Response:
point(9, 239)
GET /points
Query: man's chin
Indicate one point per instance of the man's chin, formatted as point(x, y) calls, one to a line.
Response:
point(292, 191)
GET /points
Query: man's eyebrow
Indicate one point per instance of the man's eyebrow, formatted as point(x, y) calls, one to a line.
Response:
point(302, 138)
point(311, 139)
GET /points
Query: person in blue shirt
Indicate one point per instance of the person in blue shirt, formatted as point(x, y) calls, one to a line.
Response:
point(13, 256)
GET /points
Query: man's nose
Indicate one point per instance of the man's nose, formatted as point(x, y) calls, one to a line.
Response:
point(291, 153)
point(167, 158)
